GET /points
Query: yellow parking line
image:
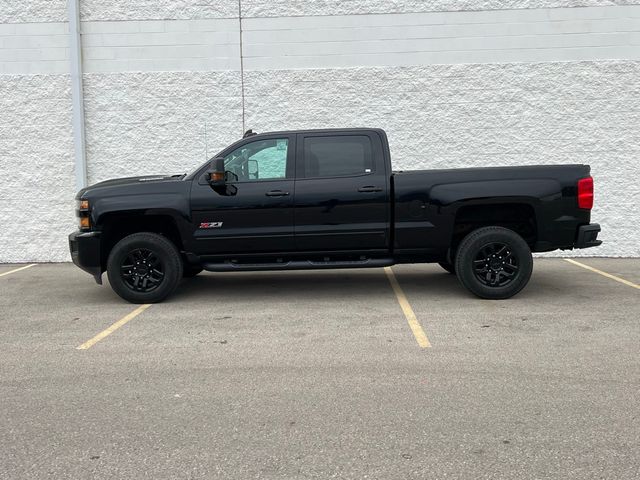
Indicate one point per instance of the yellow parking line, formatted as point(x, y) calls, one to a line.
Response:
point(415, 326)
point(17, 270)
point(604, 274)
point(114, 327)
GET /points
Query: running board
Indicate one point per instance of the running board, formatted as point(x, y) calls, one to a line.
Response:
point(297, 265)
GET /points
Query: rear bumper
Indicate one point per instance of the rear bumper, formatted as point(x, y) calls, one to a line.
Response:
point(85, 253)
point(588, 236)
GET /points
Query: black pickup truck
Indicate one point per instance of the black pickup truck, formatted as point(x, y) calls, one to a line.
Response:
point(318, 199)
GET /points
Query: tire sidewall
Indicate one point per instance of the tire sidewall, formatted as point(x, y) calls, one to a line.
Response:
point(469, 249)
point(166, 253)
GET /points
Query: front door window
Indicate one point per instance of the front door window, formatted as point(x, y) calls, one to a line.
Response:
point(259, 160)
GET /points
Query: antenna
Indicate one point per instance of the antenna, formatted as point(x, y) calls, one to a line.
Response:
point(206, 144)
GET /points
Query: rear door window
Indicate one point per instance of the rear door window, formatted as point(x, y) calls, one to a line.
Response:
point(337, 156)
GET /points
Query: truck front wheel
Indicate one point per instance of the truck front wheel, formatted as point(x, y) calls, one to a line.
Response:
point(144, 268)
point(494, 263)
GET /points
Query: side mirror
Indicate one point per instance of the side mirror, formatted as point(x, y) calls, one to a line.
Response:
point(216, 176)
point(253, 169)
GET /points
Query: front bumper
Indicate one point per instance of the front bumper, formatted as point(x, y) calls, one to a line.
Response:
point(588, 236)
point(85, 253)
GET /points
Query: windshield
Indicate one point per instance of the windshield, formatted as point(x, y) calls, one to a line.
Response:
point(194, 172)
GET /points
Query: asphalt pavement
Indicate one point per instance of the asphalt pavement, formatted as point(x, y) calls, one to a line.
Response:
point(321, 374)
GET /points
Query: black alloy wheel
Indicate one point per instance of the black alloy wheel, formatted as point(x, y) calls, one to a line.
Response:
point(494, 263)
point(144, 267)
point(142, 271)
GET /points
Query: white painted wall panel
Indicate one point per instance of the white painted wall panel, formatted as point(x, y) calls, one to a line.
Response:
point(31, 48)
point(444, 37)
point(163, 45)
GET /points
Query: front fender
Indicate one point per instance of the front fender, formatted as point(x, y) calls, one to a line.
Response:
point(174, 205)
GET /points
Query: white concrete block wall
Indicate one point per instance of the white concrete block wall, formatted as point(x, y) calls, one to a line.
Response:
point(291, 8)
point(36, 145)
point(96, 10)
point(150, 123)
point(19, 11)
point(455, 83)
point(447, 116)
point(36, 168)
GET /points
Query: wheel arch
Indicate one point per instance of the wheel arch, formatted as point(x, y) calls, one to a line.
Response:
point(516, 214)
point(119, 224)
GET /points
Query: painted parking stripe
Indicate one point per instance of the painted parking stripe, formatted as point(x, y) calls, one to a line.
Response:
point(105, 333)
point(604, 274)
point(415, 326)
point(17, 269)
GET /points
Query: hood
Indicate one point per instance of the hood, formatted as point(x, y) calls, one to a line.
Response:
point(129, 183)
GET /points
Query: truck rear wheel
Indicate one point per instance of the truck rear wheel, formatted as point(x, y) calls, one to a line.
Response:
point(494, 263)
point(144, 268)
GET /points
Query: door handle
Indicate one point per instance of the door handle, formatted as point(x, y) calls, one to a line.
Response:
point(369, 189)
point(276, 193)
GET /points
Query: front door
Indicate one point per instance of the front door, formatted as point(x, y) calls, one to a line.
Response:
point(254, 213)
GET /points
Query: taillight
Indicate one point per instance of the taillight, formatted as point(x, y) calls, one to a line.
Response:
point(585, 193)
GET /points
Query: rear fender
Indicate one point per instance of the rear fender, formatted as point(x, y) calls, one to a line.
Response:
point(536, 191)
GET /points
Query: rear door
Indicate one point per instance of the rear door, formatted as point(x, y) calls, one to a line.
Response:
point(342, 192)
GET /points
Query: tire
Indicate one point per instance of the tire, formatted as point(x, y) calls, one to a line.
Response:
point(190, 271)
point(144, 256)
point(448, 267)
point(494, 263)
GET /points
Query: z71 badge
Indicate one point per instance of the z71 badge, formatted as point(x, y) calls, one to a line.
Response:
point(210, 224)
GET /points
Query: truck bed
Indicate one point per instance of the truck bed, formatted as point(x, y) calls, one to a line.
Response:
point(427, 202)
